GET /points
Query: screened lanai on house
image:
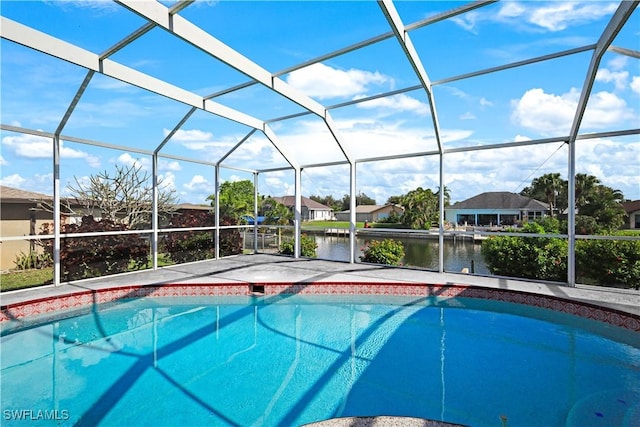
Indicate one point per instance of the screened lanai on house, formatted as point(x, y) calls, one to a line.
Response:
point(321, 98)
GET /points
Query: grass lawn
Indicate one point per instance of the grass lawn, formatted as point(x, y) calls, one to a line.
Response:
point(25, 279)
point(21, 279)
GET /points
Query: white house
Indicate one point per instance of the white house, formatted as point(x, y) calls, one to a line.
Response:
point(495, 208)
point(632, 209)
point(310, 209)
point(371, 213)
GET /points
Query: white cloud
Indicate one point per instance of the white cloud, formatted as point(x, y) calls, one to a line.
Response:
point(613, 161)
point(39, 183)
point(618, 62)
point(558, 16)
point(553, 114)
point(520, 138)
point(103, 6)
point(197, 140)
point(168, 181)
point(198, 183)
point(189, 135)
point(3, 162)
point(323, 82)
point(470, 99)
point(619, 78)
point(400, 102)
point(15, 181)
point(169, 166)
point(548, 16)
point(545, 113)
point(606, 109)
point(485, 102)
point(275, 184)
point(511, 9)
point(468, 20)
point(635, 84)
point(128, 160)
point(468, 116)
point(145, 163)
point(36, 147)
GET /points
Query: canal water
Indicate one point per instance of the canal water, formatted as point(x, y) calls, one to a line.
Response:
point(419, 252)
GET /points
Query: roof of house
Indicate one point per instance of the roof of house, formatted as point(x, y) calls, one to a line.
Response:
point(193, 207)
point(17, 195)
point(631, 206)
point(312, 205)
point(365, 209)
point(500, 200)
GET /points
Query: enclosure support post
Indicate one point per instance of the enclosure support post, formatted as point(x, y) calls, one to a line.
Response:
point(622, 14)
point(352, 212)
point(255, 213)
point(441, 222)
point(56, 211)
point(217, 212)
point(298, 213)
point(154, 213)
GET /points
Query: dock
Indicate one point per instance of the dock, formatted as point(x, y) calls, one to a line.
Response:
point(337, 232)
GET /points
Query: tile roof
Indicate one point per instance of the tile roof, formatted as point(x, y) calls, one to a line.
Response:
point(191, 206)
point(631, 206)
point(364, 209)
point(500, 200)
point(15, 194)
point(310, 204)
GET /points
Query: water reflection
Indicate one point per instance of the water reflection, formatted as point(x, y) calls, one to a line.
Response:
point(422, 253)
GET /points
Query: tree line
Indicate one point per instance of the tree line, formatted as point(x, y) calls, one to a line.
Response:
point(598, 207)
point(126, 197)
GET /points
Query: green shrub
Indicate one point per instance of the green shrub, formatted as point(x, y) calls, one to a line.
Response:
point(308, 247)
point(93, 256)
point(387, 251)
point(393, 218)
point(541, 258)
point(586, 225)
point(598, 262)
point(188, 246)
point(608, 262)
point(32, 260)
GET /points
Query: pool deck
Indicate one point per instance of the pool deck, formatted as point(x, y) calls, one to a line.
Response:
point(265, 269)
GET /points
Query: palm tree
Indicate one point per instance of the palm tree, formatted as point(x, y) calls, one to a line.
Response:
point(447, 195)
point(604, 204)
point(420, 208)
point(546, 187)
point(584, 185)
point(276, 213)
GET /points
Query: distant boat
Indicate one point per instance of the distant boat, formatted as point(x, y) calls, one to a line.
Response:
point(251, 221)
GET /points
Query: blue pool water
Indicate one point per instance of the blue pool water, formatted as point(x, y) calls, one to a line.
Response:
point(268, 361)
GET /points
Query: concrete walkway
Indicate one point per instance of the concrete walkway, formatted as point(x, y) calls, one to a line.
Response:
point(264, 268)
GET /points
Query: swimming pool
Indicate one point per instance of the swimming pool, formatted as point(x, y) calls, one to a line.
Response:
point(295, 359)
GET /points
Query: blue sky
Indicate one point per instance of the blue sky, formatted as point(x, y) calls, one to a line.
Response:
point(531, 102)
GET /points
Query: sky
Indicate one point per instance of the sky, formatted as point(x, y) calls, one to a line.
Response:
point(531, 102)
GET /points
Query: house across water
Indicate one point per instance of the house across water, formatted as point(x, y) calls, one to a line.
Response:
point(496, 209)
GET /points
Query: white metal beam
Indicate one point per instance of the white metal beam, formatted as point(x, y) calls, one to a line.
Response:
point(271, 136)
point(620, 17)
point(189, 32)
point(410, 52)
point(45, 43)
point(235, 147)
point(422, 23)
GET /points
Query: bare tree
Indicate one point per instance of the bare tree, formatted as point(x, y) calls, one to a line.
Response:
point(126, 197)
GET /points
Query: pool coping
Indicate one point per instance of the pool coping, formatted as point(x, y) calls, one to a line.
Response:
point(268, 275)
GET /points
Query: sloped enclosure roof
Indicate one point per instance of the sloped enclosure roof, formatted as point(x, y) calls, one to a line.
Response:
point(476, 96)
